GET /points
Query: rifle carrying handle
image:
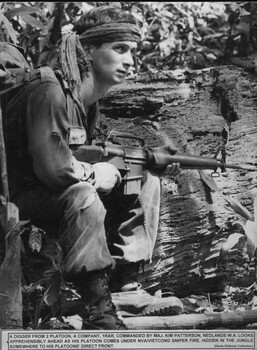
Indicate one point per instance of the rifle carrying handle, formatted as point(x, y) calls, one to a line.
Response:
point(113, 134)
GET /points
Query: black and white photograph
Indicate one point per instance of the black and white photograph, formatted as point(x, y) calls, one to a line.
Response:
point(128, 160)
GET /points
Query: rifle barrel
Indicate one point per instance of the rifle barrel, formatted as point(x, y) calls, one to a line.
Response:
point(242, 167)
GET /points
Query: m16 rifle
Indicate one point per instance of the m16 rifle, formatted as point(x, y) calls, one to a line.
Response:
point(132, 161)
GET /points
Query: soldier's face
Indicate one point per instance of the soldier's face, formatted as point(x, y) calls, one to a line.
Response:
point(112, 61)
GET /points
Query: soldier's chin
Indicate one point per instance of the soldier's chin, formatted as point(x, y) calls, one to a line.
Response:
point(119, 80)
point(121, 75)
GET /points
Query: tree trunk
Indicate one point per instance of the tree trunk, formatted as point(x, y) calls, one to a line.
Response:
point(10, 272)
point(198, 112)
point(10, 262)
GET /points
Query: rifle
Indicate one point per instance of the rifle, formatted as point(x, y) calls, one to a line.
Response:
point(132, 161)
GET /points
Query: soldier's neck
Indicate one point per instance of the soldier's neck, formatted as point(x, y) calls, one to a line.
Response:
point(90, 91)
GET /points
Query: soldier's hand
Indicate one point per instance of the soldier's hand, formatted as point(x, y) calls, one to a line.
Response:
point(171, 169)
point(160, 154)
point(107, 176)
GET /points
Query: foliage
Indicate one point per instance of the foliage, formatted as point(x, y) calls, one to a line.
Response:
point(249, 225)
point(179, 35)
point(246, 220)
point(174, 34)
point(196, 35)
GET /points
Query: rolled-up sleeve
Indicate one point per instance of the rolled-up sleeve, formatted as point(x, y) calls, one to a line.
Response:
point(47, 126)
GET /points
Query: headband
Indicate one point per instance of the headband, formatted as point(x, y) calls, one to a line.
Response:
point(112, 31)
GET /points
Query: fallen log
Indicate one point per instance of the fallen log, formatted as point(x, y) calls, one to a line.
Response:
point(130, 309)
point(227, 320)
point(217, 320)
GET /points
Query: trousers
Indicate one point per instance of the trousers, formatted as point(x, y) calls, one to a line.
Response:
point(96, 231)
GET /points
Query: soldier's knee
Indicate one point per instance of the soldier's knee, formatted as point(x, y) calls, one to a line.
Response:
point(82, 196)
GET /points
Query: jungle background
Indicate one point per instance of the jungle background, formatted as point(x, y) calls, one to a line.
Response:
point(193, 85)
point(174, 34)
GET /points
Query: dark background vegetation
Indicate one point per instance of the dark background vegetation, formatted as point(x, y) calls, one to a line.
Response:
point(175, 35)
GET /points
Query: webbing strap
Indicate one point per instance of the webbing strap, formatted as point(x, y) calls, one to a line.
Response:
point(17, 77)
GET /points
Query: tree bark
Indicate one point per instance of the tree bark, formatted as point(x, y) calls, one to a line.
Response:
point(198, 112)
point(10, 275)
point(10, 262)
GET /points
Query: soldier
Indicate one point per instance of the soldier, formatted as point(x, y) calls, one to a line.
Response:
point(56, 189)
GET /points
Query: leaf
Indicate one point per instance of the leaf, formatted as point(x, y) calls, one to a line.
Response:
point(251, 235)
point(231, 241)
point(211, 56)
point(167, 14)
point(191, 22)
point(238, 208)
point(85, 7)
point(23, 10)
point(234, 6)
point(206, 178)
point(50, 24)
point(33, 22)
point(10, 30)
point(50, 6)
point(52, 293)
point(53, 252)
point(35, 238)
point(243, 12)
